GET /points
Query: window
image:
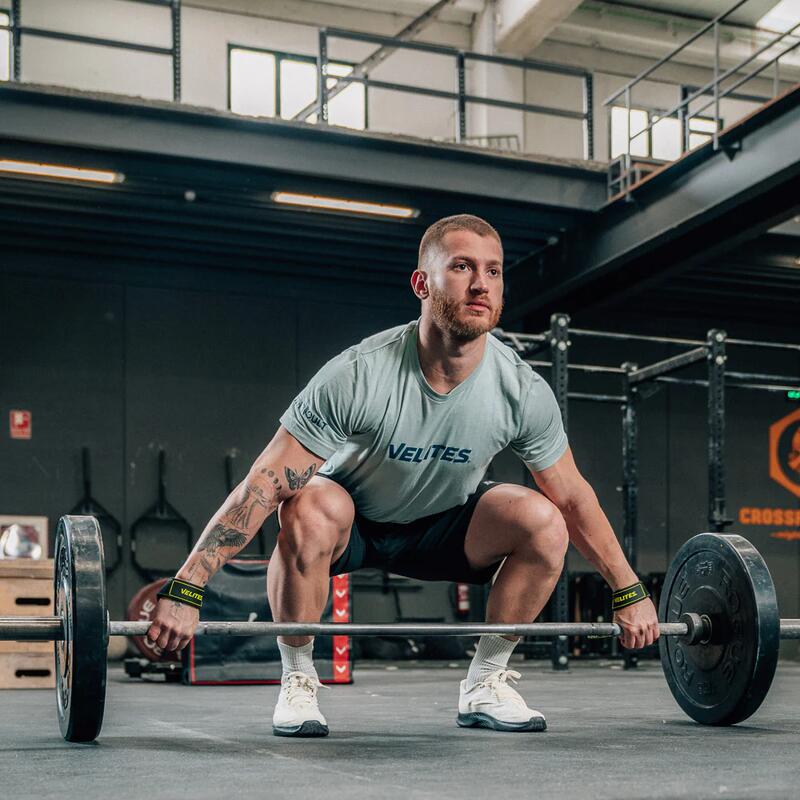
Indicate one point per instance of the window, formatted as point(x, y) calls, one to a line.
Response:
point(662, 141)
point(269, 84)
point(619, 132)
point(252, 83)
point(701, 130)
point(5, 48)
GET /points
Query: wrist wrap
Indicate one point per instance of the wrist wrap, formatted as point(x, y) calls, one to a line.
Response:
point(183, 592)
point(628, 596)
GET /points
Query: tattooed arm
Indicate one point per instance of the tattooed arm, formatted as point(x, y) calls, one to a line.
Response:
point(281, 471)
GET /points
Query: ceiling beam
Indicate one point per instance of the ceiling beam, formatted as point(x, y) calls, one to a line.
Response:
point(523, 24)
point(37, 116)
point(701, 206)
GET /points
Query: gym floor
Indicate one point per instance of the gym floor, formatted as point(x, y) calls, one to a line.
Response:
point(611, 734)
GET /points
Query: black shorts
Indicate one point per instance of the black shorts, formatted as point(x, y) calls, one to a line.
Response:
point(430, 548)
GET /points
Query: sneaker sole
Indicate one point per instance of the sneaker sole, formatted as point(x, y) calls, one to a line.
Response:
point(534, 724)
point(308, 729)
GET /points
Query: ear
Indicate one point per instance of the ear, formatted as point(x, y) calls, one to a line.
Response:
point(419, 284)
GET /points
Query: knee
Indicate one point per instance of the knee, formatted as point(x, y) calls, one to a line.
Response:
point(312, 523)
point(546, 536)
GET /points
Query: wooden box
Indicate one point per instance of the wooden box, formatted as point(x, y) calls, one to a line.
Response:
point(28, 670)
point(26, 589)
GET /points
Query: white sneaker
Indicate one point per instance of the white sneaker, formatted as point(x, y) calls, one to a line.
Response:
point(494, 704)
point(297, 711)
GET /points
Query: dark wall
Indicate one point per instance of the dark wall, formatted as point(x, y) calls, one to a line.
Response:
point(127, 369)
point(201, 364)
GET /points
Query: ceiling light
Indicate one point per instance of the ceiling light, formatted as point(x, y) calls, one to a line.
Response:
point(783, 17)
point(57, 171)
point(347, 206)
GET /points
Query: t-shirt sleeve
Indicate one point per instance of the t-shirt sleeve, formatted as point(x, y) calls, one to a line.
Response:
point(541, 440)
point(332, 406)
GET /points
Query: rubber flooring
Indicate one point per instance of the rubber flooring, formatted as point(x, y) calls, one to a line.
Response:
point(611, 734)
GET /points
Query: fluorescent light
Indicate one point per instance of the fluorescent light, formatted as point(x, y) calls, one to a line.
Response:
point(348, 206)
point(783, 17)
point(57, 171)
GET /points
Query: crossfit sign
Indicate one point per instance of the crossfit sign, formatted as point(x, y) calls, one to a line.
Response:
point(784, 452)
point(784, 469)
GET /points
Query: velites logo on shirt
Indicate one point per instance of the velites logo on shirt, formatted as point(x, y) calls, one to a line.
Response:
point(434, 452)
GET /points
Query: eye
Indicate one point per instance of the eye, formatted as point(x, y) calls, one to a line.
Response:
point(460, 264)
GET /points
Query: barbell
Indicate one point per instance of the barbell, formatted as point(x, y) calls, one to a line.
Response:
point(719, 648)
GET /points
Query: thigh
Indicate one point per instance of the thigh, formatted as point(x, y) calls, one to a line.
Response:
point(502, 518)
point(429, 548)
point(322, 505)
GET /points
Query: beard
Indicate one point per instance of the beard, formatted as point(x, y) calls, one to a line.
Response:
point(454, 317)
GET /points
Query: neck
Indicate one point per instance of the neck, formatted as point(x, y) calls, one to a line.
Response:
point(445, 360)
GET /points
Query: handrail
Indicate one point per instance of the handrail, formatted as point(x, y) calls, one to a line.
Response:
point(18, 30)
point(447, 50)
point(623, 171)
point(460, 96)
point(651, 69)
point(730, 71)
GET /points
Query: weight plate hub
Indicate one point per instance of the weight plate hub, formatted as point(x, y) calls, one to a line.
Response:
point(80, 600)
point(722, 681)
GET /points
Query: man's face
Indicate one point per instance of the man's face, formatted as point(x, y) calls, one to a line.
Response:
point(465, 284)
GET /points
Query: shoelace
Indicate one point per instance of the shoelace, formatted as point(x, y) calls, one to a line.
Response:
point(497, 683)
point(301, 688)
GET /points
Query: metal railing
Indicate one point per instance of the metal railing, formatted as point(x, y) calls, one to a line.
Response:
point(18, 31)
point(623, 172)
point(460, 97)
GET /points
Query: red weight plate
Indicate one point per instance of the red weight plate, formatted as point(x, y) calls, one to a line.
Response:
point(141, 608)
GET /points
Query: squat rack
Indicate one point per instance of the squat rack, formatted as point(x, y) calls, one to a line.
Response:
point(713, 351)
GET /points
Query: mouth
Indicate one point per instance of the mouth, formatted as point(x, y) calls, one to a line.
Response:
point(479, 307)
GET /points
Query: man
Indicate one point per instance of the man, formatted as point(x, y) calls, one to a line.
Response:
point(379, 462)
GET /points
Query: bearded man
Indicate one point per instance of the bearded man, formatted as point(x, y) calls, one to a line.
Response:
point(380, 462)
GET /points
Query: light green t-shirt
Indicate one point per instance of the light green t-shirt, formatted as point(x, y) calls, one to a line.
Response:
point(404, 451)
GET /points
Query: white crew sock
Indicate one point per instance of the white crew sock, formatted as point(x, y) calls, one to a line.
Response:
point(492, 654)
point(298, 659)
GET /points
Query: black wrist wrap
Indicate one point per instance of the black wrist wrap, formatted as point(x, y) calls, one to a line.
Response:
point(628, 596)
point(183, 592)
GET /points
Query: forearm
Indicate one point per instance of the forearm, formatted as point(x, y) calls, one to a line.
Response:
point(236, 522)
point(593, 537)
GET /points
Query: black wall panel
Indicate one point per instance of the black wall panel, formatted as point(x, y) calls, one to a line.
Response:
point(204, 368)
point(61, 358)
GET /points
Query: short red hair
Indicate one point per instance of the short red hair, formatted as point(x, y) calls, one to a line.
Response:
point(432, 238)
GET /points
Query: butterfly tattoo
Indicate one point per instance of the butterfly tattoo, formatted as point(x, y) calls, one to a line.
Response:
point(298, 480)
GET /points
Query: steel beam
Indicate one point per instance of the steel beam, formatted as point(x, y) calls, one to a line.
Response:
point(689, 212)
point(667, 365)
point(86, 121)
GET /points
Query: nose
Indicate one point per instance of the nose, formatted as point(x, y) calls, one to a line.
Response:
point(479, 284)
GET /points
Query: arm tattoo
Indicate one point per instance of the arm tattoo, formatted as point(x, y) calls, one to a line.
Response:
point(297, 480)
point(220, 536)
point(239, 516)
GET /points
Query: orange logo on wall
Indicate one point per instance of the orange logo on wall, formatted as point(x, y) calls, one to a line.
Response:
point(784, 452)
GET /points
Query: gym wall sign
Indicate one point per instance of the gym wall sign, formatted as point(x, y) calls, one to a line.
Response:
point(784, 468)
